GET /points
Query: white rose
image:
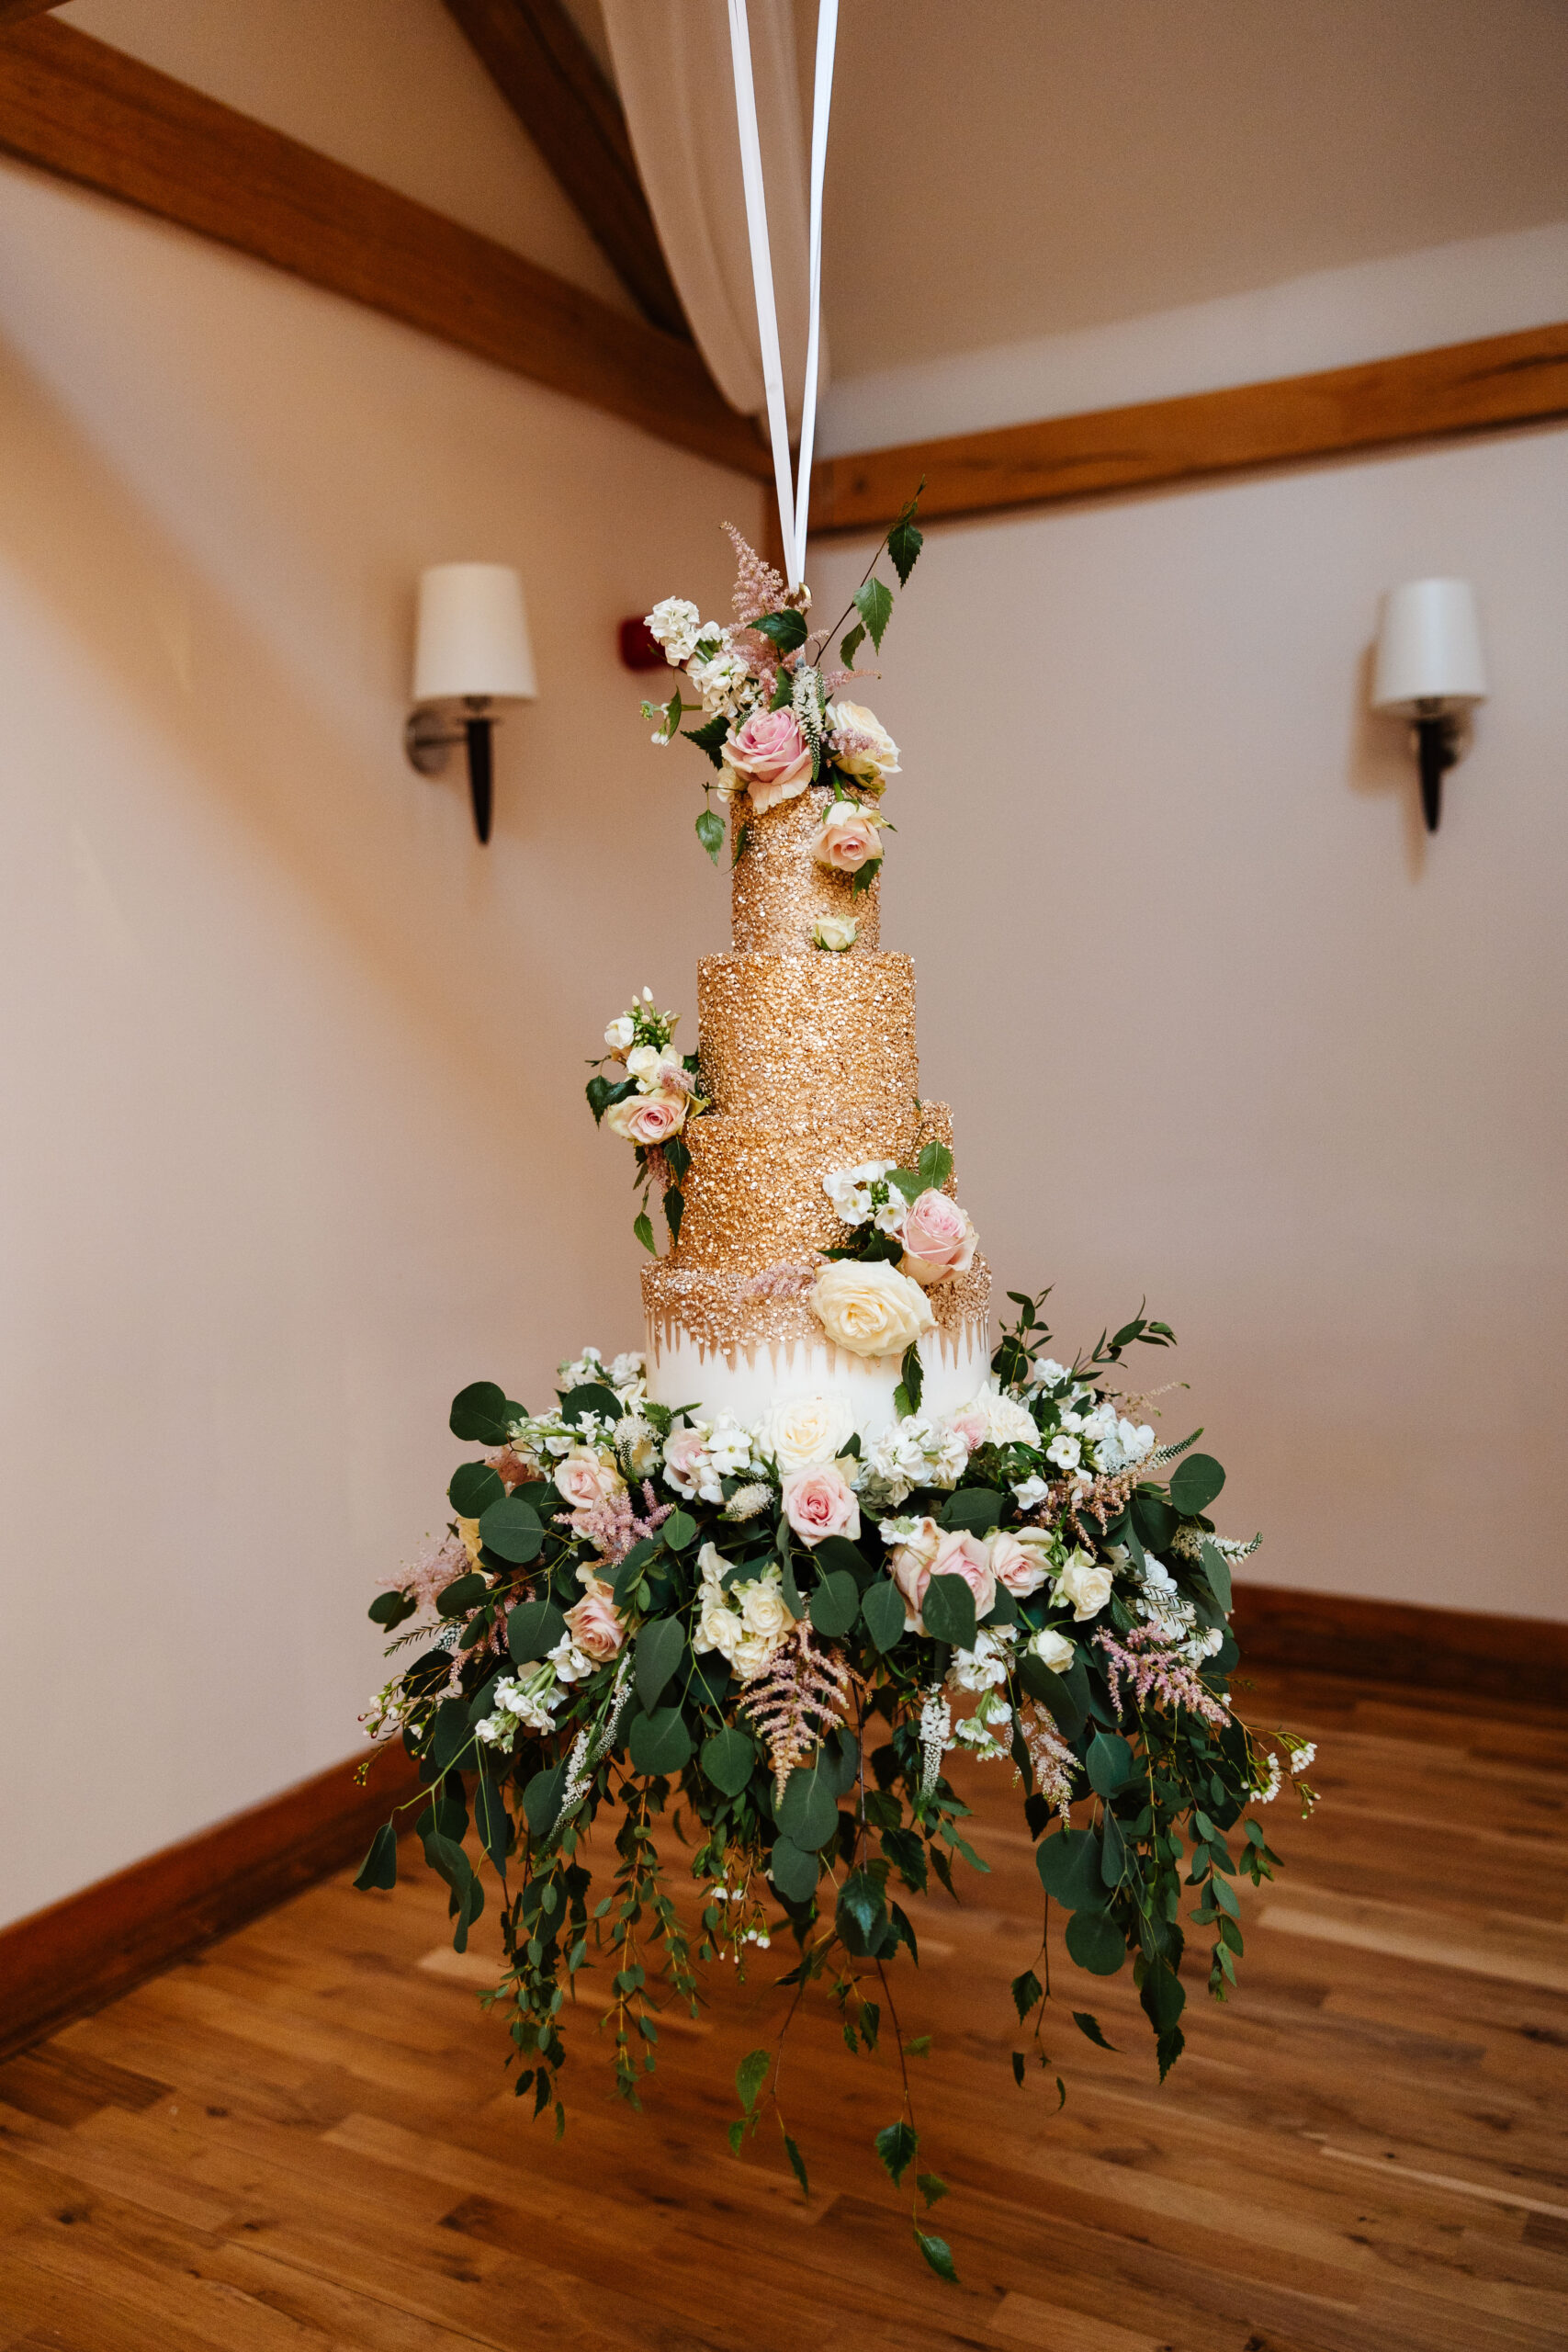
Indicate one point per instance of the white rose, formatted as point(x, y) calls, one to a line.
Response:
point(1086, 1586)
point(870, 1309)
point(718, 1626)
point(835, 933)
point(763, 1609)
point(807, 1431)
point(1053, 1649)
point(619, 1034)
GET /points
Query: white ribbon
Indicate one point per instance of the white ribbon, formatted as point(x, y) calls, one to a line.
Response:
point(794, 494)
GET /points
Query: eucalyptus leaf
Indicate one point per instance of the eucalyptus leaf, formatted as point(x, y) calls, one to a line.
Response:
point(1042, 1683)
point(510, 1530)
point(729, 1759)
point(1068, 1864)
point(658, 1648)
point(977, 1509)
point(1096, 1942)
point(883, 1609)
point(1109, 1762)
point(794, 1872)
point(379, 1868)
point(478, 1414)
point(533, 1630)
point(541, 1801)
point(591, 1397)
point(835, 1604)
point(808, 1809)
point(475, 1485)
point(1217, 1568)
point(660, 1743)
point(1194, 1484)
point(948, 1610)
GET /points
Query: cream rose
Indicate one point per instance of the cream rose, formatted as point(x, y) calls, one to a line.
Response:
point(1084, 1584)
point(869, 1308)
point(834, 934)
point(1016, 1566)
point(848, 838)
point(1052, 1648)
point(862, 746)
point(618, 1036)
point(685, 1457)
point(910, 1564)
point(938, 1239)
point(762, 1611)
point(818, 1501)
point(807, 1429)
point(594, 1622)
point(648, 1119)
point(770, 756)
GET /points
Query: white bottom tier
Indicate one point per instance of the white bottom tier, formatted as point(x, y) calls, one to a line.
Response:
point(749, 1383)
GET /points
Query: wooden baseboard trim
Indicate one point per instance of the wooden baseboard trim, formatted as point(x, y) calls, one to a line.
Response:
point(63, 1962)
point(1394, 1641)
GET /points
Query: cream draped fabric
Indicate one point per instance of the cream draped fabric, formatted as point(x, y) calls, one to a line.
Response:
point(673, 65)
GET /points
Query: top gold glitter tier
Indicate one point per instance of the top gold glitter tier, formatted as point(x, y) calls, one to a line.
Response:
point(779, 891)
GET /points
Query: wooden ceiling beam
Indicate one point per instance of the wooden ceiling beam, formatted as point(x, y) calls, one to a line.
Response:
point(550, 78)
point(1460, 388)
point(12, 11)
point(89, 113)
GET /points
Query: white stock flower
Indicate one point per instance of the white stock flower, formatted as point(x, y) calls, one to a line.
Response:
point(1007, 1422)
point(1045, 1372)
point(674, 624)
point(849, 1189)
point(1066, 1451)
point(805, 1431)
point(914, 1452)
point(584, 1370)
point(1029, 1491)
point(984, 1667)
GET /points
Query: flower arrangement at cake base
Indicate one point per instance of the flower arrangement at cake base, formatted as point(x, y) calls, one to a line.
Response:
point(784, 1630)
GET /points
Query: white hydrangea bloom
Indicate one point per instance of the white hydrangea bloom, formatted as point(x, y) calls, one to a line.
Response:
point(916, 1452)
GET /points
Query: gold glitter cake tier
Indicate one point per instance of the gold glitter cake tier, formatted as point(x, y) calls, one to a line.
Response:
point(783, 1036)
point(717, 1313)
point(779, 893)
point(753, 1193)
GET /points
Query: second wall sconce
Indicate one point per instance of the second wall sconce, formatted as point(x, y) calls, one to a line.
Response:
point(471, 651)
point(1430, 670)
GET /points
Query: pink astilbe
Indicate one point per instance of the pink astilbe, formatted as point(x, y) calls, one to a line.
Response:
point(758, 587)
point(1053, 1761)
point(779, 1281)
point(612, 1526)
point(429, 1577)
point(1149, 1661)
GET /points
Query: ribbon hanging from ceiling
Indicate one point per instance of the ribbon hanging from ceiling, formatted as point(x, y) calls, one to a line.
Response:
point(794, 486)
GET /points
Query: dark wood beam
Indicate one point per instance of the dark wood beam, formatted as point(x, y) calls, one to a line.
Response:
point(77, 107)
point(550, 78)
point(12, 11)
point(1504, 379)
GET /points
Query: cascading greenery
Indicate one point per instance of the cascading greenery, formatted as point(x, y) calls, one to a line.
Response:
point(815, 1784)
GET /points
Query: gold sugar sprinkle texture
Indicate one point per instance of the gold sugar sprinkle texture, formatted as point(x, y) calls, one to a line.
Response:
point(788, 1033)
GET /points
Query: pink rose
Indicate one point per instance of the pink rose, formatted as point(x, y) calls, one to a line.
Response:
point(1018, 1566)
point(848, 839)
point(685, 1454)
point(939, 1241)
point(770, 756)
point(955, 1554)
point(820, 1501)
point(648, 1119)
point(594, 1622)
point(583, 1480)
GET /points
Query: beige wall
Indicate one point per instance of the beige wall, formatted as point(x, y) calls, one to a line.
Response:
point(1217, 1023)
point(293, 1137)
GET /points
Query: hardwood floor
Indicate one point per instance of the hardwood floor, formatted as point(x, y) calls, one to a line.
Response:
point(303, 2140)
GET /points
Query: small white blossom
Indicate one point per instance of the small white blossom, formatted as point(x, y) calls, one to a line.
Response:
point(1028, 1492)
point(985, 1667)
point(674, 624)
point(849, 1189)
point(1064, 1451)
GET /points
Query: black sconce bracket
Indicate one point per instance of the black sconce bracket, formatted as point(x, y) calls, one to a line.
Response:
point(429, 735)
point(1439, 740)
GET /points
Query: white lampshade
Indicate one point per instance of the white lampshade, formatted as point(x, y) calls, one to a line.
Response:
point(1430, 649)
point(473, 635)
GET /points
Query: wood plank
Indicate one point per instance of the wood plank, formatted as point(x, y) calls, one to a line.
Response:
point(95, 1946)
point(1507, 379)
point(550, 78)
point(14, 12)
point(89, 113)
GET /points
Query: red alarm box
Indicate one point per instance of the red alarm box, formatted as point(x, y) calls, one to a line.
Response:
point(640, 650)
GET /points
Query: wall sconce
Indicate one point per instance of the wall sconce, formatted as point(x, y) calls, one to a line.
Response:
point(1430, 670)
point(471, 651)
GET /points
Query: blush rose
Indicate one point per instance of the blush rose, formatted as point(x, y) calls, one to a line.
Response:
point(955, 1553)
point(594, 1622)
point(770, 756)
point(648, 1119)
point(848, 838)
point(938, 1239)
point(818, 1501)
